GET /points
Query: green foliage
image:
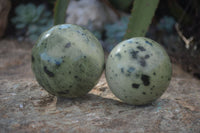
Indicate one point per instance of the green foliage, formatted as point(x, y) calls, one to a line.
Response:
point(60, 11)
point(115, 32)
point(51, 1)
point(166, 24)
point(34, 20)
point(178, 12)
point(141, 16)
point(96, 32)
point(121, 4)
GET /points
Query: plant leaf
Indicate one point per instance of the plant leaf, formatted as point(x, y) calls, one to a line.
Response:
point(32, 29)
point(20, 26)
point(141, 16)
point(60, 11)
point(19, 9)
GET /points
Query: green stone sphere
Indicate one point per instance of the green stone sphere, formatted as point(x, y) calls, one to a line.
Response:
point(67, 60)
point(138, 71)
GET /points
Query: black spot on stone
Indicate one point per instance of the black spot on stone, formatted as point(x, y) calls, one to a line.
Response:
point(161, 77)
point(135, 85)
point(137, 75)
point(124, 51)
point(169, 79)
point(118, 55)
point(32, 58)
point(142, 62)
point(137, 42)
point(84, 57)
point(130, 69)
point(70, 86)
point(154, 73)
point(150, 92)
point(58, 63)
point(134, 54)
point(144, 93)
point(141, 48)
point(149, 43)
point(81, 68)
point(128, 75)
point(68, 45)
point(49, 73)
point(77, 78)
point(69, 72)
point(145, 79)
point(123, 45)
point(122, 70)
point(126, 97)
point(45, 44)
point(136, 100)
point(116, 75)
point(146, 56)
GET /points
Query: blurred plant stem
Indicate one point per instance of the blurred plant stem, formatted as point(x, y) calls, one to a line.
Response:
point(60, 11)
point(178, 12)
point(141, 17)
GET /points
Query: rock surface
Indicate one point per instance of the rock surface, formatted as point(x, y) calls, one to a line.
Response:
point(26, 107)
point(90, 13)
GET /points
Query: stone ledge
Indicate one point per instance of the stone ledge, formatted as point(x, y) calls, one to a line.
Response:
point(26, 107)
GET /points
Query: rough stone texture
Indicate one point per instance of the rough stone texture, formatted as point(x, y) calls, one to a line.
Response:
point(92, 12)
point(4, 10)
point(15, 60)
point(26, 107)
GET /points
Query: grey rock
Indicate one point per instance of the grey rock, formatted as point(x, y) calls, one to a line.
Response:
point(93, 12)
point(26, 107)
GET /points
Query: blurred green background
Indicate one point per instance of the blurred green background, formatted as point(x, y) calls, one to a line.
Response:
point(175, 24)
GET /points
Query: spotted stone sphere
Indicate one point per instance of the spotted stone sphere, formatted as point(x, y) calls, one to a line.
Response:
point(67, 60)
point(138, 71)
